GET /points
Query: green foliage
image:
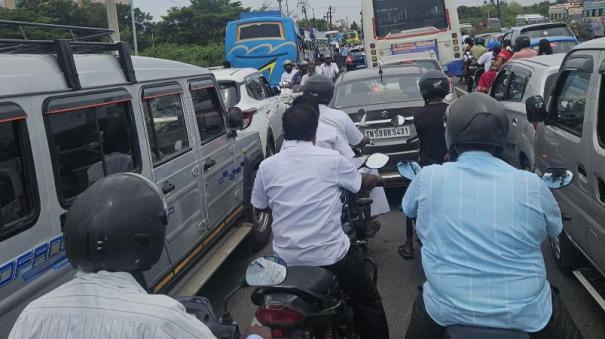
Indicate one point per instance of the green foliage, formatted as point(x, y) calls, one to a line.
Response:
point(320, 24)
point(211, 54)
point(355, 27)
point(508, 12)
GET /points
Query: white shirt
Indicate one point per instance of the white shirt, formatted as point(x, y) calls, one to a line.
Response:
point(287, 77)
point(304, 79)
point(342, 122)
point(328, 137)
point(300, 184)
point(106, 305)
point(329, 71)
point(486, 60)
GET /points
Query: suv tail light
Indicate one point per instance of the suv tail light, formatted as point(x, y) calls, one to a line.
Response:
point(247, 116)
point(278, 315)
point(349, 60)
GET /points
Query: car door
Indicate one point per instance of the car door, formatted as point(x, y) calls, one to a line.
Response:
point(566, 138)
point(500, 92)
point(515, 111)
point(276, 111)
point(596, 208)
point(175, 165)
point(219, 174)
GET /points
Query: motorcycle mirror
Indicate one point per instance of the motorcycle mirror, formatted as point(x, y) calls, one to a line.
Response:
point(556, 178)
point(398, 120)
point(376, 161)
point(361, 114)
point(266, 271)
point(408, 169)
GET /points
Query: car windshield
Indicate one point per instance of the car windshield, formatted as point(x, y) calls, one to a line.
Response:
point(371, 91)
point(229, 93)
point(559, 47)
point(541, 32)
point(395, 16)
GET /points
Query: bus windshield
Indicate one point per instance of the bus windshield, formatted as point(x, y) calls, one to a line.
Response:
point(260, 30)
point(395, 16)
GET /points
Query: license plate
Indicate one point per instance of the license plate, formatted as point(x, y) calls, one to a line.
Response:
point(389, 132)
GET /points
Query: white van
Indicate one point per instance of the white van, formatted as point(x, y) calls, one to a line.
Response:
point(67, 120)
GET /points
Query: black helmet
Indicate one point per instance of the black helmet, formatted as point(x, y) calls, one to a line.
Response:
point(118, 224)
point(522, 42)
point(434, 84)
point(476, 119)
point(480, 41)
point(320, 87)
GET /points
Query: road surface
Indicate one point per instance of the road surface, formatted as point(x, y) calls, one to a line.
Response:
point(398, 282)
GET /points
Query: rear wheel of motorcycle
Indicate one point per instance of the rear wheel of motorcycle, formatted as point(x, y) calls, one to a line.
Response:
point(261, 232)
point(566, 256)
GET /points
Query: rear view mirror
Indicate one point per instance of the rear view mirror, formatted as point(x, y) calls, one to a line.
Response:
point(376, 161)
point(408, 169)
point(361, 114)
point(266, 271)
point(398, 121)
point(235, 119)
point(536, 109)
point(556, 178)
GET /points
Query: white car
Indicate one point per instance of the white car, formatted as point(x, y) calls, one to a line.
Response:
point(262, 108)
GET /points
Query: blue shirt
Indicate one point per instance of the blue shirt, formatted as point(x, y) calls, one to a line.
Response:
point(481, 223)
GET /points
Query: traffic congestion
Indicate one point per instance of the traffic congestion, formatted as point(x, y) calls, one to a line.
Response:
point(412, 176)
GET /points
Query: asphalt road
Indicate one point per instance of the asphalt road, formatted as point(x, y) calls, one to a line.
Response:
point(398, 281)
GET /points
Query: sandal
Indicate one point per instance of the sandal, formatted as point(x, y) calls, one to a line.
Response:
point(406, 254)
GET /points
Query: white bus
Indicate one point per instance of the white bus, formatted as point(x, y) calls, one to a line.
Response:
point(405, 26)
point(529, 19)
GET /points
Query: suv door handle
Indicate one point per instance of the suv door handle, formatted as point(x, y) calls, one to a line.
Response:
point(209, 164)
point(582, 170)
point(167, 187)
point(515, 121)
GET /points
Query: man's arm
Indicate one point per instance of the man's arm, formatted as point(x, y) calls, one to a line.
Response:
point(409, 204)
point(260, 199)
point(354, 135)
point(552, 213)
point(347, 176)
point(369, 181)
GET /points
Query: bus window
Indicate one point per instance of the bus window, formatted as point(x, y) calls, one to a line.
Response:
point(394, 16)
point(260, 30)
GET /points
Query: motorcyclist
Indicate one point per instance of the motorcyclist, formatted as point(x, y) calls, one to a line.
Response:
point(482, 223)
point(288, 74)
point(322, 88)
point(328, 68)
point(302, 71)
point(300, 186)
point(493, 49)
point(478, 48)
point(113, 232)
point(310, 72)
point(523, 48)
point(429, 123)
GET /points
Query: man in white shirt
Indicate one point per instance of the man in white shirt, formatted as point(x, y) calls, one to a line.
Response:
point(328, 68)
point(288, 74)
point(107, 298)
point(311, 71)
point(300, 186)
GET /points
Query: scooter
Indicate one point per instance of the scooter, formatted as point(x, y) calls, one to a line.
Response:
point(264, 271)
point(554, 178)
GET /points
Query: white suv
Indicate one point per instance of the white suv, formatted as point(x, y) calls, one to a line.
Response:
point(262, 109)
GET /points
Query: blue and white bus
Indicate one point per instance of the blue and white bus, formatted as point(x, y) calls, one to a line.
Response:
point(264, 41)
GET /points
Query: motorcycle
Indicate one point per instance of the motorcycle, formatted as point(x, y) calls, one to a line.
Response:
point(554, 178)
point(264, 271)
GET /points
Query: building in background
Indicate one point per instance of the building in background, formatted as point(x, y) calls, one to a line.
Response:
point(565, 12)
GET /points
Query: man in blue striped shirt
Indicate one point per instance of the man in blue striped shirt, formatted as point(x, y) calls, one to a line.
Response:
point(481, 223)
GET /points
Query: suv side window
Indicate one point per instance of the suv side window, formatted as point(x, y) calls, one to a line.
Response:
point(91, 136)
point(267, 91)
point(500, 87)
point(165, 122)
point(19, 202)
point(517, 85)
point(208, 110)
point(570, 100)
point(254, 88)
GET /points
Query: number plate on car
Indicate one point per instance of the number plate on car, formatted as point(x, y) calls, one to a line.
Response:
point(389, 132)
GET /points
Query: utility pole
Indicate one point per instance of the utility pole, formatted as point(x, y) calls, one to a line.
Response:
point(280, 8)
point(134, 28)
point(330, 14)
point(498, 7)
point(287, 9)
point(112, 20)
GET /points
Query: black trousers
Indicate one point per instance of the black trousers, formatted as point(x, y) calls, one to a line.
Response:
point(354, 278)
point(560, 326)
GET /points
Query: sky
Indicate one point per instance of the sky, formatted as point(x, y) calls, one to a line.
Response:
point(344, 8)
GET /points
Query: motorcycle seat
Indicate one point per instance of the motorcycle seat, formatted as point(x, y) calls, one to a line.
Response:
point(312, 283)
point(468, 332)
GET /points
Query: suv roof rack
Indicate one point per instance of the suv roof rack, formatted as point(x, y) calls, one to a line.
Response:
point(65, 49)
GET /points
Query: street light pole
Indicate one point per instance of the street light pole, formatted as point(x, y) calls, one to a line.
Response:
point(498, 7)
point(134, 28)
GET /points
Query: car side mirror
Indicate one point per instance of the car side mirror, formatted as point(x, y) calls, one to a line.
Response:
point(235, 119)
point(535, 108)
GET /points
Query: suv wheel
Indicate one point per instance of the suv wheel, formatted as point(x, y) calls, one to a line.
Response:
point(261, 233)
point(565, 254)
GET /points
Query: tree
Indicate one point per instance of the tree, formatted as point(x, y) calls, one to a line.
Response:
point(355, 27)
point(202, 22)
point(319, 24)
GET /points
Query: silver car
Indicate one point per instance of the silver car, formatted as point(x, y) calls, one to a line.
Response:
point(518, 80)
